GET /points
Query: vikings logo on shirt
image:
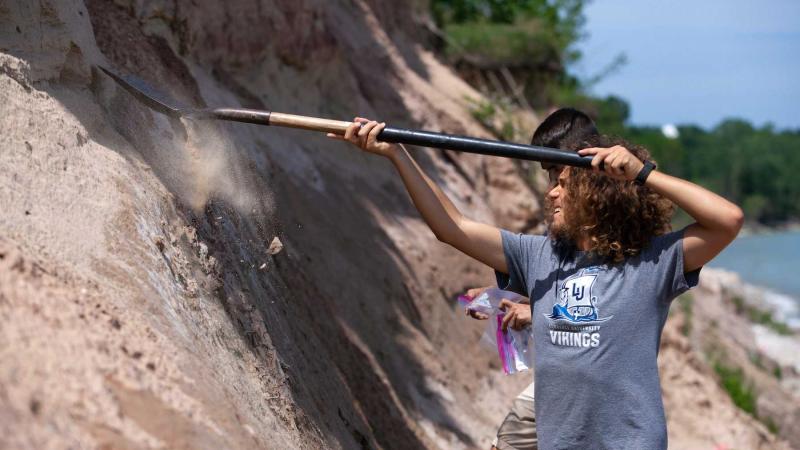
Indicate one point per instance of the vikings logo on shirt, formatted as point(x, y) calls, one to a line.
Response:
point(576, 302)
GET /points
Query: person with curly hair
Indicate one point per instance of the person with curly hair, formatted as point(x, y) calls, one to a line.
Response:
point(567, 129)
point(600, 283)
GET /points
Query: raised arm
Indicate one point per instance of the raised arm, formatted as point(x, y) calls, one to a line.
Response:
point(478, 240)
point(717, 221)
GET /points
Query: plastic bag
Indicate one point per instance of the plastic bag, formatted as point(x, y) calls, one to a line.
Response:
point(513, 347)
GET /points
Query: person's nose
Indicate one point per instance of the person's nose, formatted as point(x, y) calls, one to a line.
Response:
point(554, 192)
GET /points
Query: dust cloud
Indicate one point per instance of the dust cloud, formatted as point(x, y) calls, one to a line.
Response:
point(212, 168)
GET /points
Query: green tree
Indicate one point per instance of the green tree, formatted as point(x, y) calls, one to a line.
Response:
point(513, 47)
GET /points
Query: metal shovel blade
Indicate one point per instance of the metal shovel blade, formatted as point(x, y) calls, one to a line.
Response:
point(148, 95)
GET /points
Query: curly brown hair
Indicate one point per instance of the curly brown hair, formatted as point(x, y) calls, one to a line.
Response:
point(619, 217)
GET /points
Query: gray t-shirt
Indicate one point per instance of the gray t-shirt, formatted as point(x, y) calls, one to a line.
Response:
point(596, 330)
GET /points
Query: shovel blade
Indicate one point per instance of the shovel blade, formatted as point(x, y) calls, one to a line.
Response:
point(148, 95)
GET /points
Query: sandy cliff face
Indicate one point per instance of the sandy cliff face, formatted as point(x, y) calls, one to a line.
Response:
point(140, 304)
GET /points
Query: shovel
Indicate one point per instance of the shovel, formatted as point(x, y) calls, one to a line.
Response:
point(165, 105)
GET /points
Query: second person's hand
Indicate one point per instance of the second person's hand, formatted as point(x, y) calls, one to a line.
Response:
point(363, 133)
point(473, 294)
point(517, 315)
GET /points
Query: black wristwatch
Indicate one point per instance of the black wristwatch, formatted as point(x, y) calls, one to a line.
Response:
point(649, 166)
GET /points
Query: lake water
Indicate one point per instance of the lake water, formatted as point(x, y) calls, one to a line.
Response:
point(769, 260)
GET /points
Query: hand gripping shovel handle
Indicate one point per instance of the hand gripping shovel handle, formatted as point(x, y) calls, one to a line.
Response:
point(402, 136)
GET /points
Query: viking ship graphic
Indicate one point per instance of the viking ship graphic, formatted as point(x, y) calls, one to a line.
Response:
point(576, 302)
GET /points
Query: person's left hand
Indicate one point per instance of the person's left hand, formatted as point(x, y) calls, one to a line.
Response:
point(617, 162)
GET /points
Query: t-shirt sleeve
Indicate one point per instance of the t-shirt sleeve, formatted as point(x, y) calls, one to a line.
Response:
point(666, 251)
point(519, 250)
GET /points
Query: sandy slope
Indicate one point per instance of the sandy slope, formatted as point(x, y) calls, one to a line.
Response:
point(140, 305)
point(699, 411)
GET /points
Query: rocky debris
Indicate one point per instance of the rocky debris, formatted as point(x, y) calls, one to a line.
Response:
point(275, 246)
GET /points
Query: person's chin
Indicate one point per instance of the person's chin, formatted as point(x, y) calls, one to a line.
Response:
point(557, 230)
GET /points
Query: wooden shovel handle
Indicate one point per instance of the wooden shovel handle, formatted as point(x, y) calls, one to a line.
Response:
point(308, 123)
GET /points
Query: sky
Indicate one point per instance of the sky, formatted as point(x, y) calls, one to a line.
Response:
point(698, 61)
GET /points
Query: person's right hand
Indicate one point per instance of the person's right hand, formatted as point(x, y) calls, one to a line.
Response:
point(473, 294)
point(363, 133)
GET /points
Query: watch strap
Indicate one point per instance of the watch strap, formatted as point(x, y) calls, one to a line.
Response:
point(649, 166)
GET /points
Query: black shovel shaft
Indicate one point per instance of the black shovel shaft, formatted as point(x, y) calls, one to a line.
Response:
point(483, 146)
point(405, 136)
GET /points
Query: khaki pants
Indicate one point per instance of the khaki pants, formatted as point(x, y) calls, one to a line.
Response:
point(518, 430)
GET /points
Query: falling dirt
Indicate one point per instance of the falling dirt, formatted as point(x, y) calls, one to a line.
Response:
point(213, 170)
